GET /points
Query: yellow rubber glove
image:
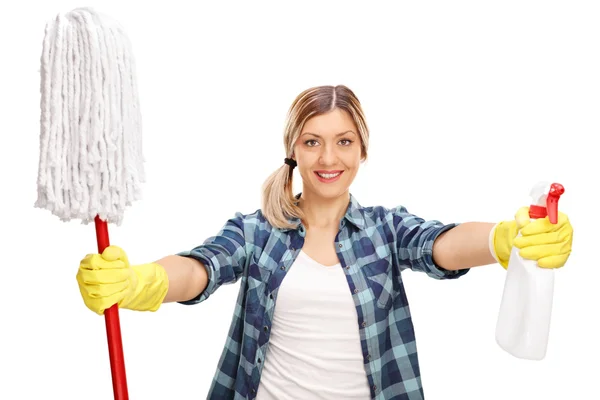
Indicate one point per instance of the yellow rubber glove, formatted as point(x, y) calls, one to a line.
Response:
point(107, 279)
point(548, 244)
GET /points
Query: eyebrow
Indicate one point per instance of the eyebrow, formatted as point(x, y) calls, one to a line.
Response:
point(339, 134)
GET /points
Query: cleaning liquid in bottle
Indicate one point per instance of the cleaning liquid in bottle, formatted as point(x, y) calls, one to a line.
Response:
point(523, 324)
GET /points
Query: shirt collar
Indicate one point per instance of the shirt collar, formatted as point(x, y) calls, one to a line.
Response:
point(354, 214)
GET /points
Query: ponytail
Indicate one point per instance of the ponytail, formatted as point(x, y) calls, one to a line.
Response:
point(278, 202)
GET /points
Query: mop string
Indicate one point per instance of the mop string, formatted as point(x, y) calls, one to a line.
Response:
point(91, 160)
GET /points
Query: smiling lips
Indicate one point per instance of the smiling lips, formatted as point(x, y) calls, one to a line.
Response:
point(328, 176)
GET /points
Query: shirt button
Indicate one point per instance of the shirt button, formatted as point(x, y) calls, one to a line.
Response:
point(355, 291)
point(368, 357)
point(364, 324)
point(259, 360)
point(283, 267)
point(266, 328)
point(374, 388)
point(340, 245)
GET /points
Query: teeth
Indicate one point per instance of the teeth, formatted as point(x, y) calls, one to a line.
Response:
point(328, 176)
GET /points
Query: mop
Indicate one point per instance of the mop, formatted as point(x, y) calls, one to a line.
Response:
point(91, 163)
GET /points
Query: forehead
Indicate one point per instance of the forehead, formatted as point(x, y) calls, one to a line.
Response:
point(331, 123)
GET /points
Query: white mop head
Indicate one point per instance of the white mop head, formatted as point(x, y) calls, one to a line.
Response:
point(91, 160)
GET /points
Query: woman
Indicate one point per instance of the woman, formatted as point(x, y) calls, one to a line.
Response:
point(322, 310)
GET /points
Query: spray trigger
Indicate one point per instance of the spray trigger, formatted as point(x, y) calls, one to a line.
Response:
point(556, 190)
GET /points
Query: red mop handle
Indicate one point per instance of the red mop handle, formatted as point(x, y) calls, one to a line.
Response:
point(113, 327)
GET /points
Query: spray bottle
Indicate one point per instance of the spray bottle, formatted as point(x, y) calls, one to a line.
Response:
point(525, 311)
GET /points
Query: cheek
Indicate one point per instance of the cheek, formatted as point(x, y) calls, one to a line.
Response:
point(306, 174)
point(306, 157)
point(305, 162)
point(352, 159)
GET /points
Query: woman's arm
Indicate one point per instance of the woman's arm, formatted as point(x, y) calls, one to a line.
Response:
point(464, 246)
point(187, 277)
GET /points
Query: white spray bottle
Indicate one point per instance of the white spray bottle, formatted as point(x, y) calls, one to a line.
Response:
point(525, 311)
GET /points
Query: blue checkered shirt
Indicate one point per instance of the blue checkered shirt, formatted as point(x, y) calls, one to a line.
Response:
point(374, 245)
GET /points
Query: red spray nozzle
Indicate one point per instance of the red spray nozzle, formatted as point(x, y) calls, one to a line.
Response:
point(556, 190)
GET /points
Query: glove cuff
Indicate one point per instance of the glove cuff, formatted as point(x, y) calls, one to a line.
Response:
point(151, 289)
point(491, 245)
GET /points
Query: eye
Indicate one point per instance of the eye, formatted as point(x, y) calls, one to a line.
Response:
point(348, 142)
point(310, 142)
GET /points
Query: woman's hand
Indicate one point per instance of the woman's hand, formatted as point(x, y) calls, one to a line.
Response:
point(547, 243)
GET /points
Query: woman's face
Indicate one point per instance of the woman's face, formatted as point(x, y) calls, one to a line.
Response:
point(328, 154)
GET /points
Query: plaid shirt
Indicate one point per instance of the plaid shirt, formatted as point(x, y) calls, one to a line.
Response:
point(374, 245)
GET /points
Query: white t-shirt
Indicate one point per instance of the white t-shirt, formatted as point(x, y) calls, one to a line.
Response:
point(314, 350)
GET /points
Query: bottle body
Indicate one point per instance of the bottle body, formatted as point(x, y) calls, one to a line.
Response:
point(523, 325)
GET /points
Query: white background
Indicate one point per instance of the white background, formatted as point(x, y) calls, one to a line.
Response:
point(469, 104)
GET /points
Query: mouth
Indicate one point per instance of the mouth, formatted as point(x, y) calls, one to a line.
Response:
point(328, 176)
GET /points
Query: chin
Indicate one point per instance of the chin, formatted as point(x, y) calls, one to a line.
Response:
point(329, 193)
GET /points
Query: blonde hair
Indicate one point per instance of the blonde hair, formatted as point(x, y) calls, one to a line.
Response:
point(279, 205)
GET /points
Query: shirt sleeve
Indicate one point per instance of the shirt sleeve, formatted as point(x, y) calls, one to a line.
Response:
point(414, 238)
point(224, 257)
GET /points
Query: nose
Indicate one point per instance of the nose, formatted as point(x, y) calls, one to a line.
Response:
point(328, 156)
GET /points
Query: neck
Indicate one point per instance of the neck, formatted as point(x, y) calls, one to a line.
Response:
point(323, 213)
